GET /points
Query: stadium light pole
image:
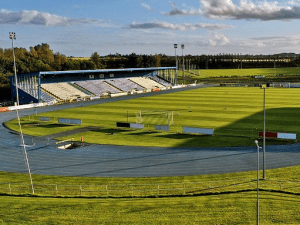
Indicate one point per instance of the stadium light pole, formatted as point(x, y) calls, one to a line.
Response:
point(257, 188)
point(175, 47)
point(264, 135)
point(182, 47)
point(12, 36)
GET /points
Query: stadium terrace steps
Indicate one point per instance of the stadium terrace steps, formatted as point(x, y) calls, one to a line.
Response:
point(70, 90)
point(47, 97)
point(97, 87)
point(125, 84)
point(111, 85)
point(50, 94)
point(161, 81)
point(63, 90)
point(82, 89)
point(146, 82)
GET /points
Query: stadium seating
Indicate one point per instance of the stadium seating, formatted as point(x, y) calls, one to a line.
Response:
point(124, 84)
point(46, 97)
point(161, 81)
point(146, 82)
point(63, 90)
point(81, 89)
point(97, 87)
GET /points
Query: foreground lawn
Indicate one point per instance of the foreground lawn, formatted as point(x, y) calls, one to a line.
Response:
point(234, 113)
point(227, 207)
point(238, 208)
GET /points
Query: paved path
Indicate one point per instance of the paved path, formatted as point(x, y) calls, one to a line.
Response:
point(124, 161)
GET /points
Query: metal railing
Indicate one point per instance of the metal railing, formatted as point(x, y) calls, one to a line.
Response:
point(149, 190)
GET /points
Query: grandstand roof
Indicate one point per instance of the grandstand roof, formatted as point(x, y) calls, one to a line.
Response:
point(69, 72)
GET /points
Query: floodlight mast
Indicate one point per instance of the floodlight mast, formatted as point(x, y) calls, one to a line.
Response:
point(182, 47)
point(175, 47)
point(12, 36)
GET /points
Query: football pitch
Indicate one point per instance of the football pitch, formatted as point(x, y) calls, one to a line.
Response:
point(235, 114)
point(207, 73)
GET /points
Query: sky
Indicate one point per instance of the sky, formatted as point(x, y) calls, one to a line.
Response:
point(80, 28)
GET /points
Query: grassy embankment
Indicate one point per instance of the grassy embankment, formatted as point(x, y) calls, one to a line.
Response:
point(231, 207)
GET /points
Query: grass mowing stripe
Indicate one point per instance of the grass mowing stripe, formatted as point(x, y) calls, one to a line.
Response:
point(217, 107)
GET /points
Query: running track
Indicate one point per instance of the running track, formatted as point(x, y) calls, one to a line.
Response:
point(126, 161)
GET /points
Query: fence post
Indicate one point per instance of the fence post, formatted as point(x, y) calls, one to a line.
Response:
point(9, 188)
point(106, 190)
point(184, 189)
point(56, 189)
point(131, 190)
point(158, 189)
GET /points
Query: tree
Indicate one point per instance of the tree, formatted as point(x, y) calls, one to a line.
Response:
point(96, 59)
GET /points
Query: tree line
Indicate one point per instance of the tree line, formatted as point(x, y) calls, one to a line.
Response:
point(42, 58)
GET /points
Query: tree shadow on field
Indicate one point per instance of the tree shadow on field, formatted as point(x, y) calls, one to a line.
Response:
point(145, 133)
point(243, 132)
point(112, 131)
point(44, 125)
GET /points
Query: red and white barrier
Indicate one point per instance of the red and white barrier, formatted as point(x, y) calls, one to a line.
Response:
point(278, 135)
point(4, 109)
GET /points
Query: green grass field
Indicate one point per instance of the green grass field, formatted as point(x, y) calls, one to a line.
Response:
point(231, 209)
point(207, 73)
point(235, 113)
point(226, 207)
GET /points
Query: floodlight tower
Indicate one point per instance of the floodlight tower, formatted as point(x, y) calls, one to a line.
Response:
point(175, 47)
point(12, 36)
point(182, 47)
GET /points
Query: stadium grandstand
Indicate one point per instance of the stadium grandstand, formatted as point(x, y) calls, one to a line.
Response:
point(64, 86)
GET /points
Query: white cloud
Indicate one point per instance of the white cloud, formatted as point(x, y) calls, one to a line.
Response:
point(294, 2)
point(218, 40)
point(146, 6)
point(182, 12)
point(247, 9)
point(174, 26)
point(40, 18)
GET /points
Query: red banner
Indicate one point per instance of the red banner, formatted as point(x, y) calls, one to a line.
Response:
point(4, 109)
point(268, 134)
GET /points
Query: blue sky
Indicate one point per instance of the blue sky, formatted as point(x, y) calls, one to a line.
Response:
point(79, 28)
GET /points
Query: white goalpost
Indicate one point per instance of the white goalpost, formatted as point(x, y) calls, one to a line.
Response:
point(155, 117)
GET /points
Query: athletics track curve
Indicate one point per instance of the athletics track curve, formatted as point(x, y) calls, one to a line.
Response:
point(127, 161)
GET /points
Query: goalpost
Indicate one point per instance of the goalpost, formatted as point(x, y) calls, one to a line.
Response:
point(155, 117)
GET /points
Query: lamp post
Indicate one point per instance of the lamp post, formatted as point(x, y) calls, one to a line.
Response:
point(264, 134)
point(182, 47)
point(257, 188)
point(175, 47)
point(12, 36)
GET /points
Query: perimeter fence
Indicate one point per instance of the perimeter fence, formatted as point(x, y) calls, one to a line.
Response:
point(150, 190)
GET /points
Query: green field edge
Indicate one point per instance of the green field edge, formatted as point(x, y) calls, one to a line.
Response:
point(282, 180)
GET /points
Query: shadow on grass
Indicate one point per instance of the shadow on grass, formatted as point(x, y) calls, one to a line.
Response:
point(243, 132)
point(145, 133)
point(44, 125)
point(111, 131)
point(55, 125)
